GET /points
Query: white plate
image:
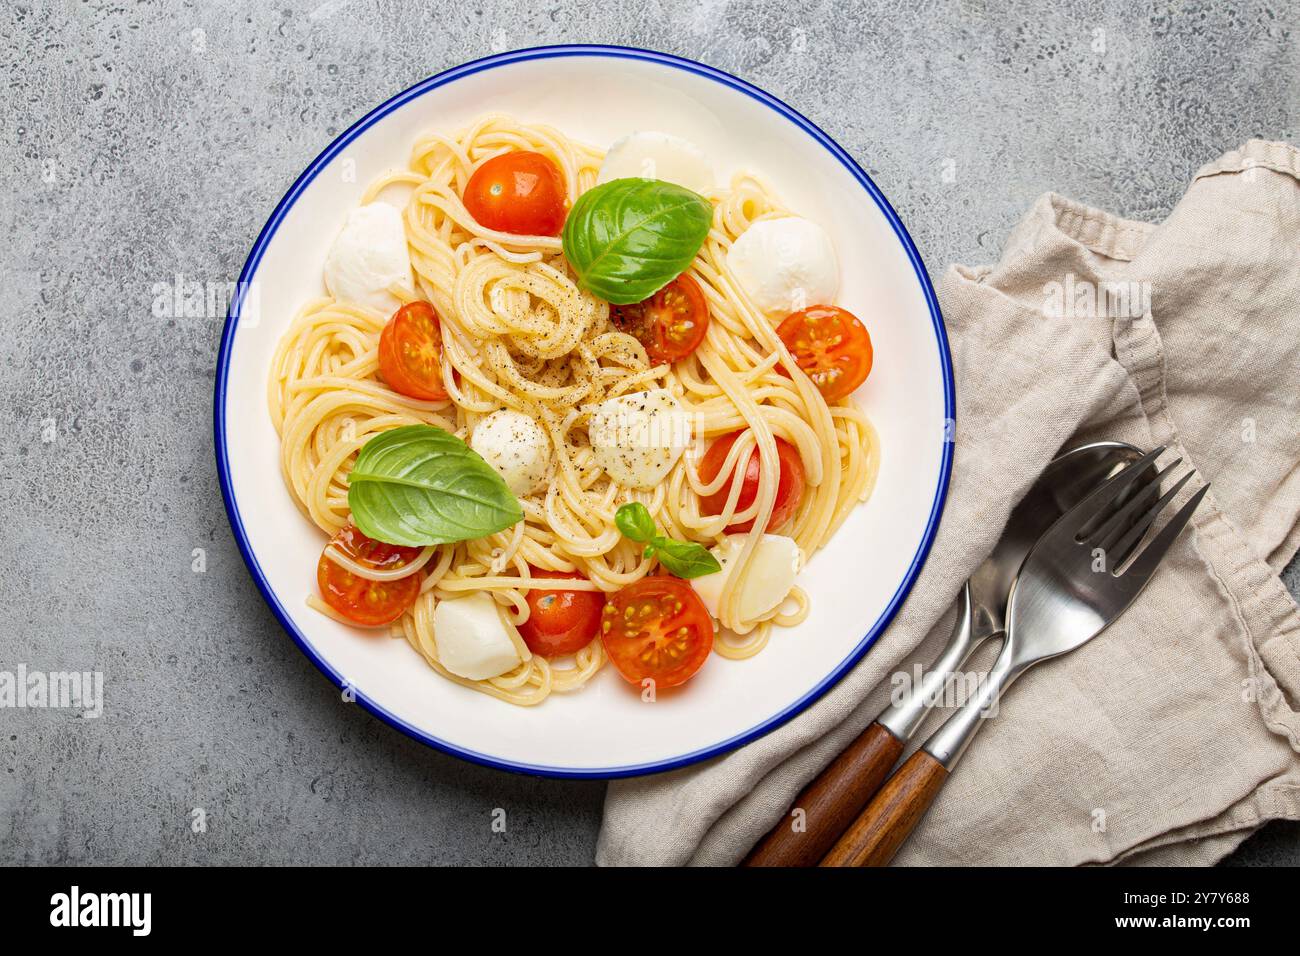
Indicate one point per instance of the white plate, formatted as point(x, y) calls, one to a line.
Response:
point(856, 584)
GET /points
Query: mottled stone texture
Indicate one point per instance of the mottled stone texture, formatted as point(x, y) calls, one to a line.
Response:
point(142, 141)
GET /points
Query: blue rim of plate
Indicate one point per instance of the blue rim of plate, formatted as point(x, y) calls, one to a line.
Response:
point(542, 53)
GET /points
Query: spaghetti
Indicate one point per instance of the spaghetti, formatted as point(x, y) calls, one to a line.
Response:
point(519, 333)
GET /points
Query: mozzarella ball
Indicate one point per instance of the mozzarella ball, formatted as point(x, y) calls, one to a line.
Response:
point(785, 264)
point(638, 438)
point(473, 640)
point(517, 447)
point(652, 155)
point(770, 576)
point(368, 256)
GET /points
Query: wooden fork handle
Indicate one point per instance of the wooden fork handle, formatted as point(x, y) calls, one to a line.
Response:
point(889, 819)
point(829, 804)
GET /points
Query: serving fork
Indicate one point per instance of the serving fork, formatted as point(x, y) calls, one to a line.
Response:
point(1079, 577)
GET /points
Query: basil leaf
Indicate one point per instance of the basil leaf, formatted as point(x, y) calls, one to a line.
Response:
point(628, 238)
point(686, 559)
point(634, 521)
point(419, 485)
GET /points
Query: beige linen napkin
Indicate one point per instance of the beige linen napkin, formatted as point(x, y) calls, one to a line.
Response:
point(1175, 734)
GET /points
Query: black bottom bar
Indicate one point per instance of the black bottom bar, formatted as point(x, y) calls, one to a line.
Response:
point(334, 905)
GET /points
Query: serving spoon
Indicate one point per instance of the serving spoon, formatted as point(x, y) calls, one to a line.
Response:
point(833, 800)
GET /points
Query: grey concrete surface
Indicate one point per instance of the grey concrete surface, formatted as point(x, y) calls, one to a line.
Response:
point(145, 141)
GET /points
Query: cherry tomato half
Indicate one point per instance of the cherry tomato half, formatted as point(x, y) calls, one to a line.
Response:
point(410, 352)
point(561, 622)
point(657, 628)
point(670, 324)
point(789, 487)
point(831, 345)
point(520, 192)
point(361, 600)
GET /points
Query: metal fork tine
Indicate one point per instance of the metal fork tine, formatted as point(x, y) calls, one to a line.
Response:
point(1115, 525)
point(1145, 564)
point(1092, 507)
point(1120, 553)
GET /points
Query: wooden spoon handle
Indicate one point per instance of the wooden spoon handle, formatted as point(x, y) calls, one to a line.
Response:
point(830, 802)
point(881, 828)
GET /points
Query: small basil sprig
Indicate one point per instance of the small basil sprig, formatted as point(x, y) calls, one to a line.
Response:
point(685, 559)
point(628, 238)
